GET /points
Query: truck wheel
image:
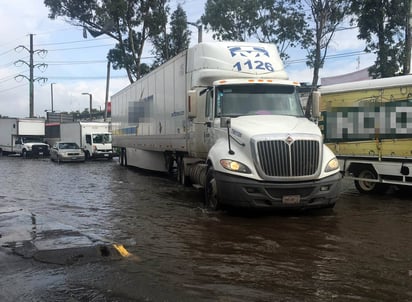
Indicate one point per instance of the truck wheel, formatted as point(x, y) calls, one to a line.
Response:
point(24, 153)
point(211, 194)
point(365, 186)
point(181, 177)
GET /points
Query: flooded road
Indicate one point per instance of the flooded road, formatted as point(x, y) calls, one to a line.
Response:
point(359, 251)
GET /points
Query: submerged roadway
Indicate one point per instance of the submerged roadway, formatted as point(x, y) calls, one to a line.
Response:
point(97, 231)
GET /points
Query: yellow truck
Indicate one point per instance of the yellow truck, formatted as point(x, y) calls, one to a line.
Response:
point(368, 125)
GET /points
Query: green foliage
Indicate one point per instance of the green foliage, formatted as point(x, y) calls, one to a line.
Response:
point(382, 24)
point(281, 22)
point(167, 45)
point(130, 22)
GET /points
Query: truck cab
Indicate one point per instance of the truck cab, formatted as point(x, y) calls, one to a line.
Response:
point(31, 146)
point(98, 145)
point(263, 152)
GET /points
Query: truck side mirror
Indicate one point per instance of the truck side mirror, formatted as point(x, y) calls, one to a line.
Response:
point(191, 104)
point(316, 104)
point(225, 122)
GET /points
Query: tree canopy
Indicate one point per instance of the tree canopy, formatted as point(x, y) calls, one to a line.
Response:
point(167, 45)
point(273, 21)
point(383, 24)
point(306, 24)
point(130, 22)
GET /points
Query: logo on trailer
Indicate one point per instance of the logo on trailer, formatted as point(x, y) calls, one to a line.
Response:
point(251, 59)
point(248, 51)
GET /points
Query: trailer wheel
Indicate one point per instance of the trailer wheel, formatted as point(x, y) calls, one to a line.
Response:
point(181, 177)
point(211, 194)
point(365, 186)
point(123, 157)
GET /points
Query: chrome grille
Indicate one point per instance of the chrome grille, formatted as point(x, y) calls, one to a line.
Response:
point(277, 158)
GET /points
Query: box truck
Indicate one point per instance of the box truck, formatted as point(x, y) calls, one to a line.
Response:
point(224, 117)
point(23, 136)
point(368, 125)
point(94, 138)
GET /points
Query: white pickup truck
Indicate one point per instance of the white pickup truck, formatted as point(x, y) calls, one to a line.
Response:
point(23, 136)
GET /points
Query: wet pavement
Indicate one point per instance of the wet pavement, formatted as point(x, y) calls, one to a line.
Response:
point(60, 225)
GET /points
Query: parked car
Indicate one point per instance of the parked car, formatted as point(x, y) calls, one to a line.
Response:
point(67, 152)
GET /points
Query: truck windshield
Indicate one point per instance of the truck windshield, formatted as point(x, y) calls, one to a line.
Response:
point(104, 138)
point(31, 140)
point(257, 99)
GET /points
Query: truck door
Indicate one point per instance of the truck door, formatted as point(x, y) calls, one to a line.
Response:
point(18, 143)
point(201, 137)
point(208, 126)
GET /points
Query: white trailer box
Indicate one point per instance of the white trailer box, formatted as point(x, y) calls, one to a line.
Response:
point(93, 137)
point(226, 117)
point(23, 136)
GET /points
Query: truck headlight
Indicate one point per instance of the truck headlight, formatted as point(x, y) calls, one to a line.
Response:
point(235, 166)
point(333, 164)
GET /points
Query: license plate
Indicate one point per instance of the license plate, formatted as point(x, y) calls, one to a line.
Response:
point(40, 153)
point(106, 155)
point(291, 199)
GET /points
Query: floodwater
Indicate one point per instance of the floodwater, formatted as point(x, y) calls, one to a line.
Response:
point(359, 251)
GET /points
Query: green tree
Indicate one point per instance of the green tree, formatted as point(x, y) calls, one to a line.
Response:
point(130, 22)
point(382, 24)
point(324, 17)
point(281, 22)
point(167, 45)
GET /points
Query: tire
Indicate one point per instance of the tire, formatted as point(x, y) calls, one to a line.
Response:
point(211, 194)
point(367, 187)
point(24, 153)
point(123, 157)
point(181, 177)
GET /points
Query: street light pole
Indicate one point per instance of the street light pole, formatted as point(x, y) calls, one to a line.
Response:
point(51, 96)
point(199, 31)
point(90, 98)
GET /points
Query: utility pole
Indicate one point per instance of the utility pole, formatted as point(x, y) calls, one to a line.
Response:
point(106, 101)
point(31, 66)
point(51, 96)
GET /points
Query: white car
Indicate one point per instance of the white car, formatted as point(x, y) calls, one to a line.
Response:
point(67, 152)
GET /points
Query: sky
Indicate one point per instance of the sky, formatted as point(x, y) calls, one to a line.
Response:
point(76, 65)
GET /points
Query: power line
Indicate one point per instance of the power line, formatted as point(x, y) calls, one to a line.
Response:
point(12, 88)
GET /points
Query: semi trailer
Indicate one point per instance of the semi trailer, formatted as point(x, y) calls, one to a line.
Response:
point(368, 125)
point(224, 117)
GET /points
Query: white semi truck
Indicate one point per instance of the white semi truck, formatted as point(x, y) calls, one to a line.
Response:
point(368, 125)
point(94, 138)
point(23, 136)
point(226, 117)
